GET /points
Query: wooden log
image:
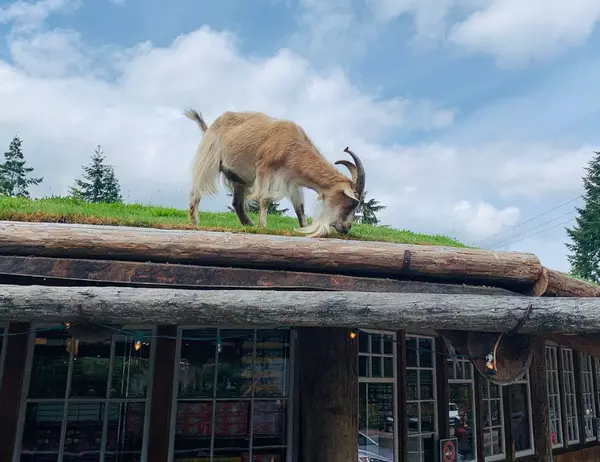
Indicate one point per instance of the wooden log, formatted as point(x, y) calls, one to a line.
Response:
point(329, 394)
point(563, 285)
point(300, 308)
point(264, 251)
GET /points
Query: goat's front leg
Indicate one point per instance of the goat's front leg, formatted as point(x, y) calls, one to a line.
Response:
point(263, 208)
point(239, 195)
point(297, 200)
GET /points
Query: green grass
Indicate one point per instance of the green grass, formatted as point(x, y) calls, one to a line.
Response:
point(66, 210)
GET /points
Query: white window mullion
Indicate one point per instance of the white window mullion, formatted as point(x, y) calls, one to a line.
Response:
point(63, 429)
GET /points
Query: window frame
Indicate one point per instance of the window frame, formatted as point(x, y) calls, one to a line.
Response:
point(487, 402)
point(594, 389)
point(433, 368)
point(471, 383)
point(27, 379)
point(391, 380)
point(568, 375)
point(555, 371)
point(526, 380)
point(291, 399)
point(3, 344)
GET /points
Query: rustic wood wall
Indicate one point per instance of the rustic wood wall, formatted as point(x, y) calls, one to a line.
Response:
point(591, 454)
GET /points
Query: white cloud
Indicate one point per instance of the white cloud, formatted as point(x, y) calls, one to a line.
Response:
point(517, 31)
point(26, 16)
point(482, 219)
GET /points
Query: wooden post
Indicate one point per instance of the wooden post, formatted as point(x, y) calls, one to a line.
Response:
point(477, 381)
point(443, 392)
point(539, 402)
point(11, 388)
point(329, 394)
point(402, 384)
point(509, 441)
point(162, 394)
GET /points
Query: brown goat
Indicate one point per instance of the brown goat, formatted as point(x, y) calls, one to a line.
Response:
point(262, 158)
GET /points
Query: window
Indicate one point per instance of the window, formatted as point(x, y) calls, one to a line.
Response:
point(86, 401)
point(554, 404)
point(377, 394)
point(420, 400)
point(587, 395)
point(233, 395)
point(493, 420)
point(521, 424)
point(461, 388)
point(568, 376)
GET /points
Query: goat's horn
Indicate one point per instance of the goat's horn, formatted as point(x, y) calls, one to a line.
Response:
point(359, 184)
point(350, 166)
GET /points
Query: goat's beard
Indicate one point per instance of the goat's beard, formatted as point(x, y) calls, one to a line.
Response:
point(320, 226)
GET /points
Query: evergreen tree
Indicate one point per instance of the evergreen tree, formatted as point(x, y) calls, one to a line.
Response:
point(99, 183)
point(367, 211)
point(14, 179)
point(585, 257)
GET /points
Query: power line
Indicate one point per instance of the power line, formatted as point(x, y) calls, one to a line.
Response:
point(529, 220)
point(540, 232)
point(510, 238)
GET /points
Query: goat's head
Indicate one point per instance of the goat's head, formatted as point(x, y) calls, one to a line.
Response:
point(340, 201)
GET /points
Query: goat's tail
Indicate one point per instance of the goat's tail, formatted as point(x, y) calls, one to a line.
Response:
point(196, 117)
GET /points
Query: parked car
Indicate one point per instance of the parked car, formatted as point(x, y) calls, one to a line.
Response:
point(369, 456)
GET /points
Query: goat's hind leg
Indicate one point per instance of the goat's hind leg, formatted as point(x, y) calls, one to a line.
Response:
point(239, 204)
point(263, 208)
point(193, 208)
point(297, 199)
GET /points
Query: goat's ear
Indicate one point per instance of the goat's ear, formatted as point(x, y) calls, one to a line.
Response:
point(348, 192)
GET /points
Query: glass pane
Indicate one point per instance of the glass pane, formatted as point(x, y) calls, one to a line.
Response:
point(363, 366)
point(412, 385)
point(411, 352)
point(41, 431)
point(462, 418)
point(377, 437)
point(412, 409)
point(429, 449)
point(193, 429)
point(232, 425)
point(131, 369)
point(376, 344)
point(520, 421)
point(234, 376)
point(50, 365)
point(492, 441)
point(269, 423)
point(362, 407)
point(125, 432)
point(84, 428)
point(427, 384)
point(496, 412)
point(271, 363)
point(90, 370)
point(376, 367)
point(414, 449)
point(388, 345)
point(363, 342)
point(425, 352)
point(427, 417)
point(197, 364)
point(388, 367)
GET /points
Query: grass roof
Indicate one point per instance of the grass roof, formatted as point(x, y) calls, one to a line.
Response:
point(66, 210)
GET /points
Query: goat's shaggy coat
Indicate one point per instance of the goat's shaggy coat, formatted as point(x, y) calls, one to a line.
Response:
point(262, 158)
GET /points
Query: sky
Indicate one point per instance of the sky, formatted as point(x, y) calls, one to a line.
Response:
point(471, 116)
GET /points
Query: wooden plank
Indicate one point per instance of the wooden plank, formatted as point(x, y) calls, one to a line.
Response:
point(162, 394)
point(72, 271)
point(563, 285)
point(329, 388)
point(539, 402)
point(299, 308)
point(264, 251)
point(11, 387)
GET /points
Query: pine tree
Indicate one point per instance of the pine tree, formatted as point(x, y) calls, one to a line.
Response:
point(99, 183)
point(367, 210)
point(585, 257)
point(14, 179)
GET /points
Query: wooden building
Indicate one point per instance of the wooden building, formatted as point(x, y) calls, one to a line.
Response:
point(126, 344)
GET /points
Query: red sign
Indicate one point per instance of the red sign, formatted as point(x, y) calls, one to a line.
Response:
point(448, 450)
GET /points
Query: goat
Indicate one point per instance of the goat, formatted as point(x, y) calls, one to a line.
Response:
point(262, 158)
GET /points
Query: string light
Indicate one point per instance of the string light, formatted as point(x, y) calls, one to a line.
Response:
point(353, 334)
point(219, 345)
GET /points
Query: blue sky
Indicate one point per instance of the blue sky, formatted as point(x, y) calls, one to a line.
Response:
point(471, 115)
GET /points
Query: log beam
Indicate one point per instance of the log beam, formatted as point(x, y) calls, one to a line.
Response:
point(264, 251)
point(563, 285)
point(300, 308)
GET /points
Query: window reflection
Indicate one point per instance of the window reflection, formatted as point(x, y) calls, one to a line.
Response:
point(461, 407)
point(520, 419)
